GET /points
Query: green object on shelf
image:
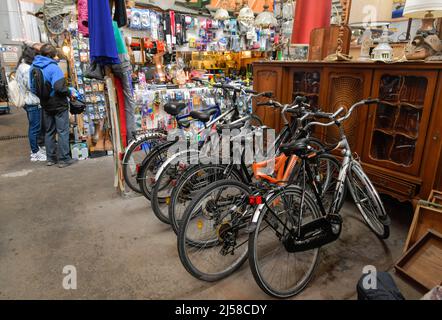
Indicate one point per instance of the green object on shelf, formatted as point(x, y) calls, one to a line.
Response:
point(280, 56)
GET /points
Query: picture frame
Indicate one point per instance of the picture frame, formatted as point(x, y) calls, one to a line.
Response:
point(298, 52)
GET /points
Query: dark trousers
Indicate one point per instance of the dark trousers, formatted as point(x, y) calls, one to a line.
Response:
point(57, 123)
point(42, 134)
point(34, 118)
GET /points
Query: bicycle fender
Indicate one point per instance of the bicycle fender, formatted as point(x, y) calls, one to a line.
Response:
point(157, 149)
point(140, 138)
point(169, 160)
point(259, 209)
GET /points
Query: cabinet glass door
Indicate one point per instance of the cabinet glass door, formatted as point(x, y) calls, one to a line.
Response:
point(399, 123)
point(306, 83)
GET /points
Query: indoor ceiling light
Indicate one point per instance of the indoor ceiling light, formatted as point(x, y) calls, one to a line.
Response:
point(266, 19)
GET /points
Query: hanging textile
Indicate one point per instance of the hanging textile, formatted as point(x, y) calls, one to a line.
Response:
point(54, 8)
point(103, 47)
point(121, 111)
point(83, 17)
point(120, 15)
point(308, 17)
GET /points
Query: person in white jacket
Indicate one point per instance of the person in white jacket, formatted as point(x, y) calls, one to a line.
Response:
point(32, 103)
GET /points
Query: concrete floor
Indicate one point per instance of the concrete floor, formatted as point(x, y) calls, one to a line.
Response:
point(51, 217)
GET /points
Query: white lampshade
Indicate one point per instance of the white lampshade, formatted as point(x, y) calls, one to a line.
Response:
point(246, 14)
point(419, 8)
point(373, 13)
point(221, 14)
point(266, 19)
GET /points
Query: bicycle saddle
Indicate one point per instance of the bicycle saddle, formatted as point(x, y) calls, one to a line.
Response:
point(202, 116)
point(174, 108)
point(299, 147)
point(185, 123)
point(229, 126)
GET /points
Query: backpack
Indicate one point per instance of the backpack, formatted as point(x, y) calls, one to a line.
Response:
point(39, 86)
point(386, 289)
point(14, 95)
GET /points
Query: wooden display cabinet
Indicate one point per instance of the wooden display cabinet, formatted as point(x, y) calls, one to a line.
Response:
point(399, 141)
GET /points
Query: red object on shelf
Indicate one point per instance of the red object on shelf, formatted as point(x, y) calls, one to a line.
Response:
point(310, 15)
point(122, 113)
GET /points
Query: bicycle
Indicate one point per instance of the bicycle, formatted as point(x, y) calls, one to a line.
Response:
point(166, 177)
point(213, 234)
point(197, 177)
point(296, 222)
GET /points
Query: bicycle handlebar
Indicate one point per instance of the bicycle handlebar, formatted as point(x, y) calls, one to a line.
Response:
point(334, 116)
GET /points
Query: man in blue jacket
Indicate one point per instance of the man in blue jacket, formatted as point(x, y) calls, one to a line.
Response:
point(55, 108)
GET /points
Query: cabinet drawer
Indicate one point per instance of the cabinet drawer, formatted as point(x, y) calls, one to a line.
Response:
point(390, 185)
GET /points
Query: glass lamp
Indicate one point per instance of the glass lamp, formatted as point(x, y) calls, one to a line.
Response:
point(426, 44)
point(246, 15)
point(427, 10)
point(266, 19)
point(222, 14)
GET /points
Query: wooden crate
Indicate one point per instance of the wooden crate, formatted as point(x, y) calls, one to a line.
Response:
point(426, 216)
point(423, 262)
point(435, 197)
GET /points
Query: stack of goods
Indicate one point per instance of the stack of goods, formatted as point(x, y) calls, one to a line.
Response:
point(183, 32)
point(92, 90)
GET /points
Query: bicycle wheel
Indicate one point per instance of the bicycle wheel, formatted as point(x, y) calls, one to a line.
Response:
point(162, 190)
point(212, 240)
point(134, 155)
point(193, 180)
point(277, 272)
point(255, 121)
point(368, 201)
point(325, 169)
point(146, 178)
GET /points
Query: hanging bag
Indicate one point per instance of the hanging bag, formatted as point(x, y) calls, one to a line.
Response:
point(76, 106)
point(14, 95)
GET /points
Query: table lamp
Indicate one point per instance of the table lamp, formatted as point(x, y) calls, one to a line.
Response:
point(426, 44)
point(369, 14)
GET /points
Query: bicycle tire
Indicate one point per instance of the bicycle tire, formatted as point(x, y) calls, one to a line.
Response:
point(155, 201)
point(254, 260)
point(153, 161)
point(129, 174)
point(181, 183)
point(377, 221)
point(183, 240)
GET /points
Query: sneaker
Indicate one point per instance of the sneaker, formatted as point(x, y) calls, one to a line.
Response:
point(51, 163)
point(42, 150)
point(38, 157)
point(64, 164)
